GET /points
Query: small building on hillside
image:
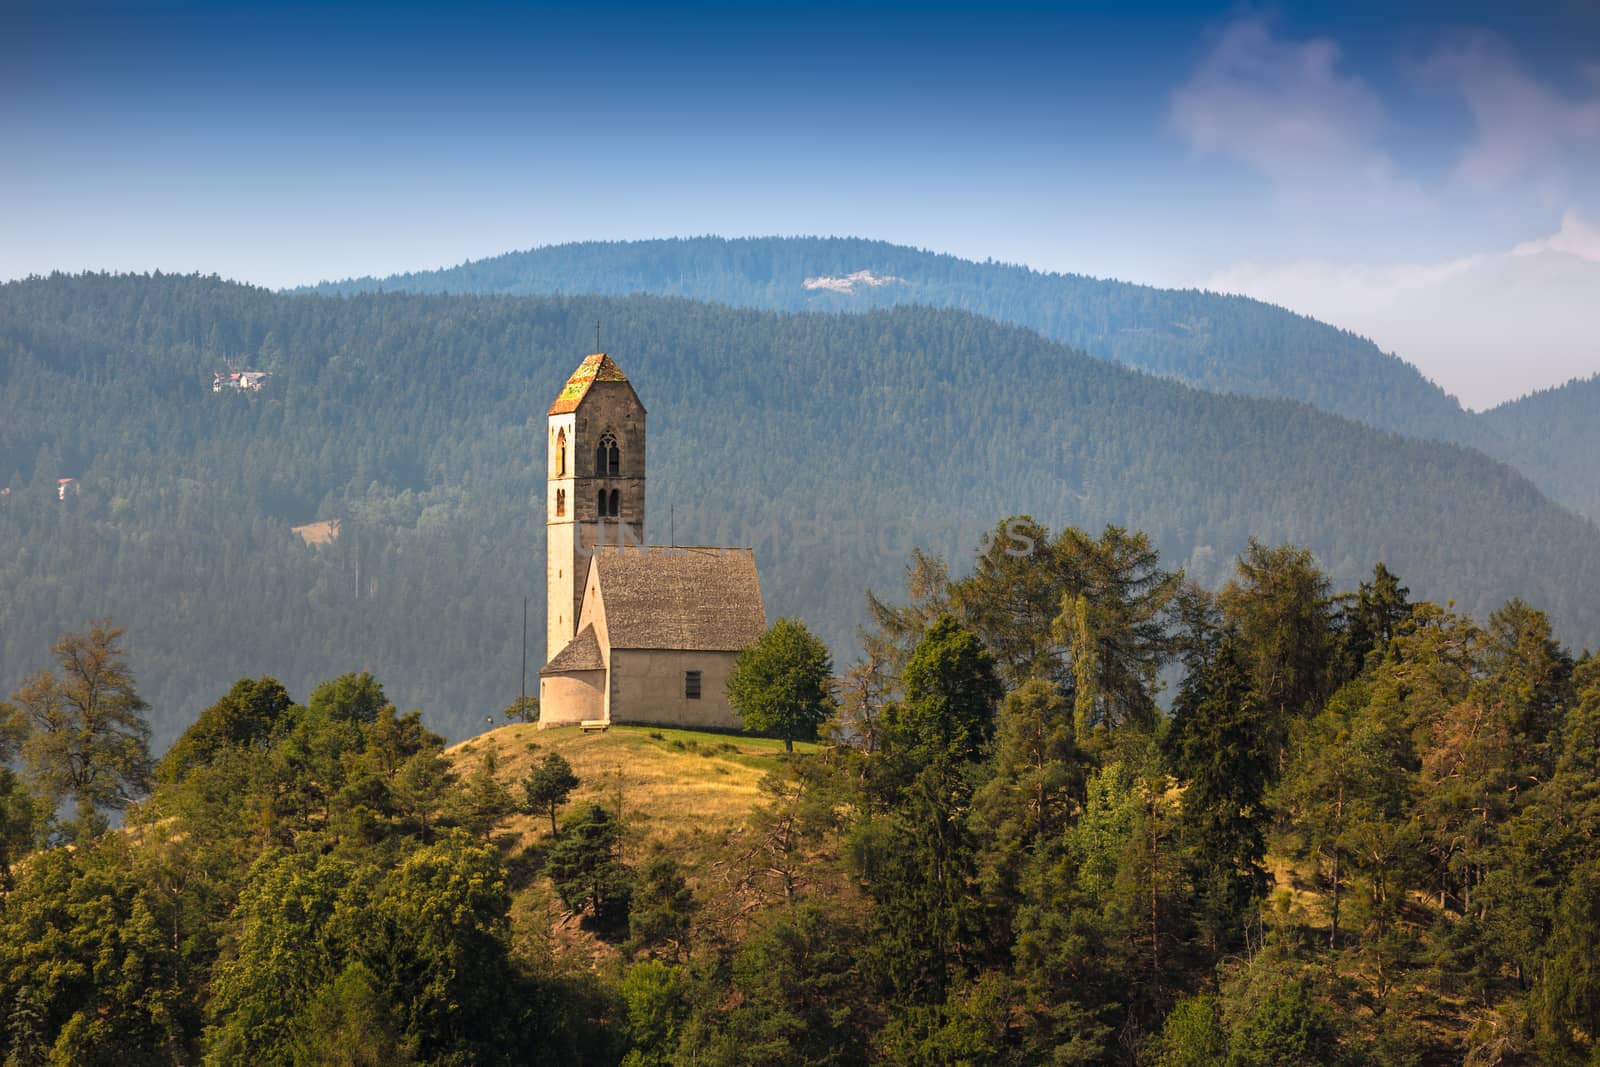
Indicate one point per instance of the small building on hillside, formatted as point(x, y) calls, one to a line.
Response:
point(66, 487)
point(249, 381)
point(634, 634)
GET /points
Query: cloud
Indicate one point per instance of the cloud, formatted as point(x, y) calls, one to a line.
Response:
point(1286, 109)
point(1575, 238)
point(1487, 327)
point(1347, 285)
point(846, 283)
point(1525, 129)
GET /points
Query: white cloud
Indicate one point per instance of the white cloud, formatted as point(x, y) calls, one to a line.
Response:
point(1575, 238)
point(1487, 328)
point(1525, 129)
point(1286, 109)
point(846, 283)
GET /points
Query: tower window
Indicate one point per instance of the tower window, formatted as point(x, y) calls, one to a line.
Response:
point(601, 509)
point(607, 457)
point(561, 502)
point(561, 452)
point(616, 502)
point(691, 685)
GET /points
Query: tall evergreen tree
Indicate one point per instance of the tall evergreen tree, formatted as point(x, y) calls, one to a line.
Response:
point(951, 690)
point(1218, 744)
point(1373, 617)
point(1280, 607)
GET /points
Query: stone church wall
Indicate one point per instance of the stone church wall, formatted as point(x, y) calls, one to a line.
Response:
point(648, 687)
point(573, 697)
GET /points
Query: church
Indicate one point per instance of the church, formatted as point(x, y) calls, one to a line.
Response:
point(634, 633)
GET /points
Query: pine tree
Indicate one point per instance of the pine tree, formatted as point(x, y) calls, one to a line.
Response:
point(1219, 746)
point(585, 867)
point(547, 787)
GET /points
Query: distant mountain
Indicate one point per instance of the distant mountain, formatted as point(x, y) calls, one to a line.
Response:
point(1555, 434)
point(832, 444)
point(1221, 343)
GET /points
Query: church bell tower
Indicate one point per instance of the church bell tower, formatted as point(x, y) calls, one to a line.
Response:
point(594, 489)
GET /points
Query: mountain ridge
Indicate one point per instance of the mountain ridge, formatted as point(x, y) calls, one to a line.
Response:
point(774, 272)
point(1220, 342)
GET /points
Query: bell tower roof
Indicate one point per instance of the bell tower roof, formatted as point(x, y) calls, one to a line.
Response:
point(598, 367)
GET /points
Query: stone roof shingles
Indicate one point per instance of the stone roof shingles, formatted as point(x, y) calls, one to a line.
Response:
point(703, 599)
point(598, 367)
point(581, 654)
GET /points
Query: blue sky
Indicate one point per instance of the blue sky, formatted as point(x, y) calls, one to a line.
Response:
point(1431, 179)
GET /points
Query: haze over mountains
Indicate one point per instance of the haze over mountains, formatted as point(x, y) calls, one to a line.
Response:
point(1218, 342)
point(831, 443)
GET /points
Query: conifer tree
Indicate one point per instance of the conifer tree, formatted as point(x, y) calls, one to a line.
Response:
point(1218, 745)
point(547, 787)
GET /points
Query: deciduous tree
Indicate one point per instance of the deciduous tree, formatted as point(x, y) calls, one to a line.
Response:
point(88, 738)
point(780, 684)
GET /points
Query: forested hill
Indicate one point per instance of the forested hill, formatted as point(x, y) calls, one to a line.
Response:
point(831, 443)
point(1218, 342)
point(1556, 434)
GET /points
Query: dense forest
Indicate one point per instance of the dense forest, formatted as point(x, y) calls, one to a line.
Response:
point(1556, 435)
point(1216, 341)
point(1365, 833)
point(829, 443)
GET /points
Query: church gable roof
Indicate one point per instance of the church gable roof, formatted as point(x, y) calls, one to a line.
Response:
point(701, 599)
point(581, 654)
point(596, 368)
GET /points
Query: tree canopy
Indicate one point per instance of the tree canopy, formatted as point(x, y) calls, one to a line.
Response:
point(781, 684)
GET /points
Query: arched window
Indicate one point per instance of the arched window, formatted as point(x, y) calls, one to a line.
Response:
point(616, 502)
point(561, 453)
point(561, 502)
point(601, 509)
point(607, 457)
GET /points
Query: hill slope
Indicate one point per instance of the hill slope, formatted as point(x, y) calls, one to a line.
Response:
point(1555, 434)
point(1218, 342)
point(831, 444)
point(1221, 343)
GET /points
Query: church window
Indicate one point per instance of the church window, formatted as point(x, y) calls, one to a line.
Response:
point(691, 685)
point(601, 508)
point(607, 457)
point(616, 502)
point(561, 453)
point(561, 502)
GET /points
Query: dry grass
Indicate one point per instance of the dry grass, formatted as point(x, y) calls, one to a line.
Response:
point(318, 533)
point(673, 786)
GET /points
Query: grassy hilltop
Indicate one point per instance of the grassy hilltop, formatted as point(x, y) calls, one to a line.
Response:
point(675, 786)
